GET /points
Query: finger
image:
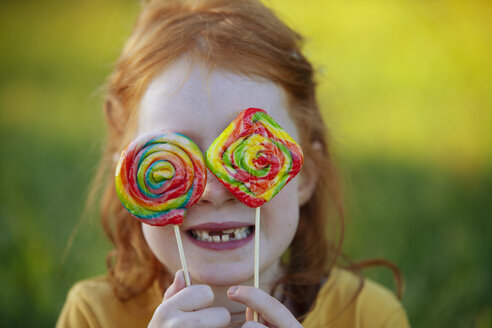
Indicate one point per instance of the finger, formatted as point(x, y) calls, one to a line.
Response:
point(176, 286)
point(253, 324)
point(271, 309)
point(204, 318)
point(191, 298)
point(250, 317)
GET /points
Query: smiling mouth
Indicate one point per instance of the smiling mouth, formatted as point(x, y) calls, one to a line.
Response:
point(221, 236)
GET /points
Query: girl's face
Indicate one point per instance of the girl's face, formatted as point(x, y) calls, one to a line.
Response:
point(200, 103)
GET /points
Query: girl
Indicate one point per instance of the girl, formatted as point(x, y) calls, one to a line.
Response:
point(191, 67)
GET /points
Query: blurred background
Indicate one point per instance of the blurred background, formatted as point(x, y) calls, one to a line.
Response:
point(405, 86)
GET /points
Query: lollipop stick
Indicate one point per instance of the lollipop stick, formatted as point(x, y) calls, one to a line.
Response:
point(257, 256)
point(181, 255)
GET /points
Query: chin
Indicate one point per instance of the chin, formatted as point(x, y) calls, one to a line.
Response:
point(221, 276)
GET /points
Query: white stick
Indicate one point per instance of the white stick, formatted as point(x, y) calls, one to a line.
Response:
point(257, 256)
point(181, 255)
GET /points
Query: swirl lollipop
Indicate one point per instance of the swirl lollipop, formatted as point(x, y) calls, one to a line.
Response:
point(158, 177)
point(254, 158)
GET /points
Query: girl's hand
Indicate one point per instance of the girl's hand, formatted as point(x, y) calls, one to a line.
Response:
point(188, 307)
point(271, 313)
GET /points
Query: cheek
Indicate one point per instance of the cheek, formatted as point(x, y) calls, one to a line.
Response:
point(282, 215)
point(162, 243)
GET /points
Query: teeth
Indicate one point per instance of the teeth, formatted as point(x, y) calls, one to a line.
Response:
point(224, 236)
point(240, 232)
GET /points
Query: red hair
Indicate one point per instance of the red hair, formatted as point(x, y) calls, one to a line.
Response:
point(244, 37)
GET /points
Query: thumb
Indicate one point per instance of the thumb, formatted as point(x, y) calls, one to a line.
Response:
point(176, 286)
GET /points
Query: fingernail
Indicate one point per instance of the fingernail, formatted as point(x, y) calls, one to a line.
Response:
point(232, 290)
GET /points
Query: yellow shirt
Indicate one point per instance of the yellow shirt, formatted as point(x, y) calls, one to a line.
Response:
point(91, 303)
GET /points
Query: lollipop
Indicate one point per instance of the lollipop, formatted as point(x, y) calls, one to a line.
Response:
point(254, 158)
point(158, 177)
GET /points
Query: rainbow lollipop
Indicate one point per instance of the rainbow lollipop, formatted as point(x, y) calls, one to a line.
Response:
point(158, 177)
point(254, 158)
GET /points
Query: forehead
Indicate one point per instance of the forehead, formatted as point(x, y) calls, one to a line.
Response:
point(199, 102)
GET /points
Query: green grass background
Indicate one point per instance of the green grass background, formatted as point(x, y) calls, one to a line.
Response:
point(405, 87)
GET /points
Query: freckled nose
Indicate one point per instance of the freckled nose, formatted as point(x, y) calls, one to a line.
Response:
point(215, 192)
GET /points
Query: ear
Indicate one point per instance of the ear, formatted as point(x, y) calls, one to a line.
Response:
point(308, 176)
